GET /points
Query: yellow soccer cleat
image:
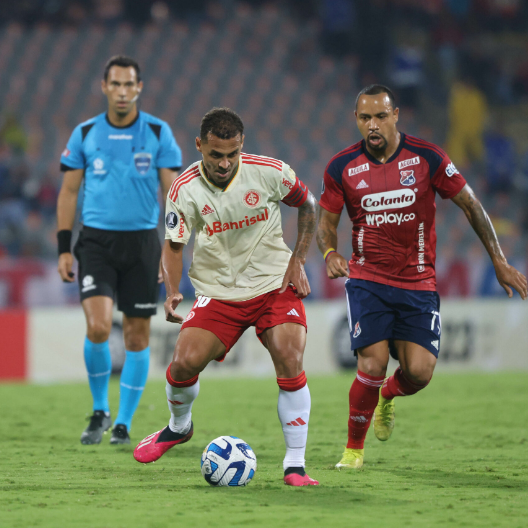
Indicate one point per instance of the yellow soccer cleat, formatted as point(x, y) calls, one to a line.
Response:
point(384, 418)
point(352, 459)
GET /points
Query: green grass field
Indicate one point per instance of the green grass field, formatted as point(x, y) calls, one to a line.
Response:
point(458, 457)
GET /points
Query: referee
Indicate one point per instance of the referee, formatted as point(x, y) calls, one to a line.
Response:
point(118, 157)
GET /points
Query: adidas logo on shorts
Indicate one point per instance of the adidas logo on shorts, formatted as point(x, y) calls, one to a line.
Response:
point(293, 311)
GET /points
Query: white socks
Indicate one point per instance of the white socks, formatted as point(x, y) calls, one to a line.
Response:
point(180, 400)
point(294, 414)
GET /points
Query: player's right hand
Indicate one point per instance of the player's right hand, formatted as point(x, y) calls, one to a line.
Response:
point(65, 267)
point(336, 266)
point(171, 303)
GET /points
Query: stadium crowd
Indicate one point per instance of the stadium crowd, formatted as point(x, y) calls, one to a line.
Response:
point(292, 69)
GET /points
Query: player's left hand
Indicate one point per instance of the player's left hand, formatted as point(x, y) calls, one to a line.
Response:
point(509, 278)
point(296, 275)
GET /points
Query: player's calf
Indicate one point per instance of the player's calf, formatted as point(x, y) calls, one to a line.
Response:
point(399, 384)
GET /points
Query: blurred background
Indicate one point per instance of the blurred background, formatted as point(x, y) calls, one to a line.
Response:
point(291, 69)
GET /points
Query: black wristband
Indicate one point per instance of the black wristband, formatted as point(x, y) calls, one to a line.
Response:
point(64, 238)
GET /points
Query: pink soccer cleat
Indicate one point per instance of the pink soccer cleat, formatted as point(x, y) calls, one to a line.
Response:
point(294, 479)
point(154, 446)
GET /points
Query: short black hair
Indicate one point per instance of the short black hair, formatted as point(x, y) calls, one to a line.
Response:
point(375, 89)
point(223, 123)
point(124, 62)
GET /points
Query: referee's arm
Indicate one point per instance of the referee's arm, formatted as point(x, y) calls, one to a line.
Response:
point(166, 177)
point(66, 207)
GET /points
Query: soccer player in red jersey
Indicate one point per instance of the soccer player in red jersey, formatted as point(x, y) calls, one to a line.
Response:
point(388, 183)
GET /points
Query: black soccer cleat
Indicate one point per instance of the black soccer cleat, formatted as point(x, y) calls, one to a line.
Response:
point(120, 435)
point(100, 422)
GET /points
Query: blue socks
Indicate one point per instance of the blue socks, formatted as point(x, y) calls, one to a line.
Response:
point(133, 379)
point(99, 366)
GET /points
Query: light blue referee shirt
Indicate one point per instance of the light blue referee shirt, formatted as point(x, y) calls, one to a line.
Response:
point(121, 170)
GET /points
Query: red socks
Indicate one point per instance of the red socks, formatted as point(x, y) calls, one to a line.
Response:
point(363, 398)
point(399, 385)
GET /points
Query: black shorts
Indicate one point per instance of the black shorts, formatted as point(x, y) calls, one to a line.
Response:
point(122, 265)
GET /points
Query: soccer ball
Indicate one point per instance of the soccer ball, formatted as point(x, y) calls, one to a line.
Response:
point(228, 461)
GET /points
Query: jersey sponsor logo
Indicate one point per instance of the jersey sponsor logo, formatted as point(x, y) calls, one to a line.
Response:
point(251, 199)
point(88, 284)
point(421, 248)
point(451, 169)
point(218, 227)
point(408, 162)
point(142, 161)
point(407, 177)
point(171, 220)
point(66, 152)
point(293, 311)
point(287, 183)
point(435, 343)
point(357, 330)
point(388, 200)
point(99, 166)
point(207, 210)
point(357, 170)
point(120, 136)
point(362, 185)
point(391, 218)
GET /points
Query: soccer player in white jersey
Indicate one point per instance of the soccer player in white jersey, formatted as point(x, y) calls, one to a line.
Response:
point(244, 275)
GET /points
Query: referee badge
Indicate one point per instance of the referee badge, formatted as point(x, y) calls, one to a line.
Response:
point(171, 220)
point(142, 162)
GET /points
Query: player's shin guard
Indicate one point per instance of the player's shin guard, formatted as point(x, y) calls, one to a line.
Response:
point(99, 366)
point(399, 385)
point(362, 398)
point(132, 383)
point(294, 415)
point(180, 397)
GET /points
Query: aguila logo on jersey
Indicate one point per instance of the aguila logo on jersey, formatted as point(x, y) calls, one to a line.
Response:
point(407, 177)
point(251, 199)
point(171, 220)
point(357, 170)
point(219, 227)
point(388, 200)
point(142, 161)
point(451, 169)
point(408, 162)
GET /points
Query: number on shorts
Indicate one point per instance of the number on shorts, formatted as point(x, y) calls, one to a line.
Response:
point(202, 301)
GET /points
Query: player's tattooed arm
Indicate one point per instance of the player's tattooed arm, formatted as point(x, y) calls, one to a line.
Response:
point(172, 269)
point(295, 273)
point(326, 236)
point(507, 275)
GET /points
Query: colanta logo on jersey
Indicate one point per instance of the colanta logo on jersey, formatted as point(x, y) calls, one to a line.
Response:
point(357, 170)
point(407, 177)
point(142, 161)
point(388, 200)
point(219, 227)
point(408, 162)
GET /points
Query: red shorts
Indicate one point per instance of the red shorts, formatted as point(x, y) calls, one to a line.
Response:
point(229, 319)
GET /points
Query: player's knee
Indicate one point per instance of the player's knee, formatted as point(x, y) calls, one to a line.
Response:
point(289, 363)
point(373, 366)
point(136, 342)
point(184, 367)
point(98, 331)
point(419, 374)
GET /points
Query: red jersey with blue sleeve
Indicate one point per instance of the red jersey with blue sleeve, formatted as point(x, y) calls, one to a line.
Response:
point(392, 209)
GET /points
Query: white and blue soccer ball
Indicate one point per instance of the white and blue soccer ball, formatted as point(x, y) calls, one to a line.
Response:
point(228, 461)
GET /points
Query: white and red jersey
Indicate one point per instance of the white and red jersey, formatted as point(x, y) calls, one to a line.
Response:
point(239, 252)
point(392, 208)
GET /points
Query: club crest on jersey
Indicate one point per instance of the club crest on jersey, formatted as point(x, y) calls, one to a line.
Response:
point(357, 330)
point(171, 220)
point(251, 199)
point(407, 177)
point(190, 315)
point(142, 161)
